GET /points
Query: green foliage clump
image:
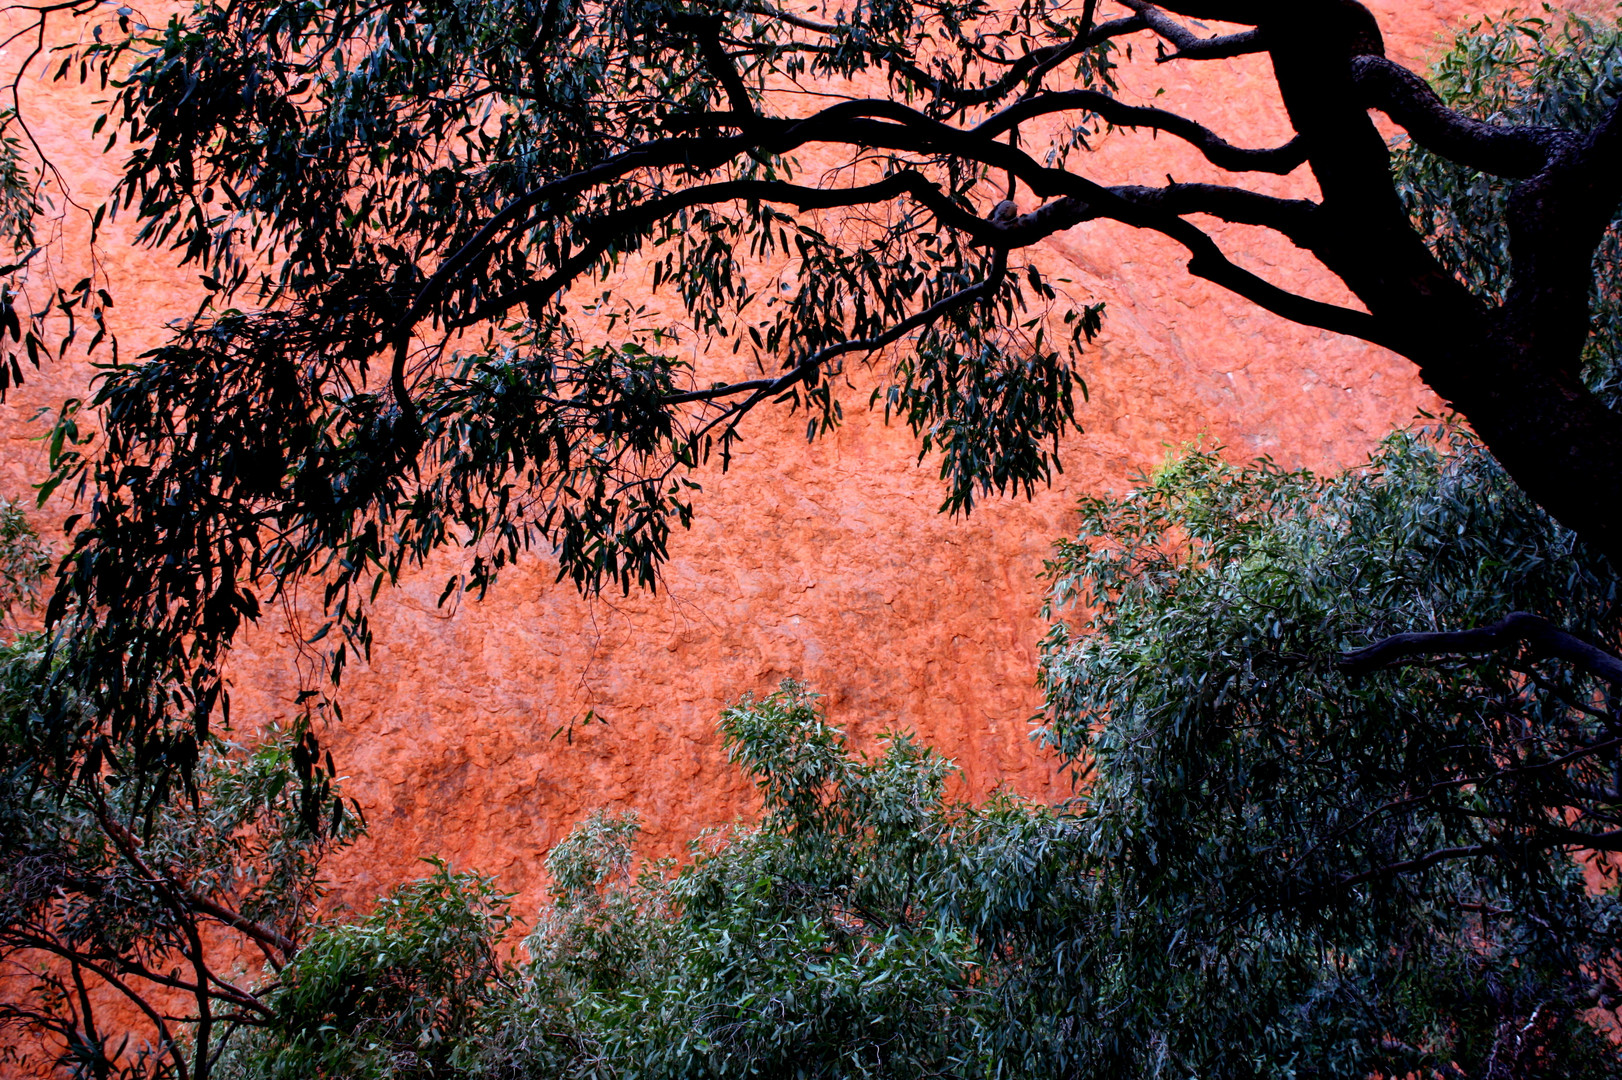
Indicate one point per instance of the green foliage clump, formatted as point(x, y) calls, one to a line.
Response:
point(1342, 876)
point(1272, 870)
point(396, 995)
point(818, 944)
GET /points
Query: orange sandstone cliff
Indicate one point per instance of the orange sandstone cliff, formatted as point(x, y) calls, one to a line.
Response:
point(826, 562)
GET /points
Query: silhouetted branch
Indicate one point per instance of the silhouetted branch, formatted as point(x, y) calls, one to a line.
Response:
point(1516, 628)
point(1411, 102)
point(1189, 45)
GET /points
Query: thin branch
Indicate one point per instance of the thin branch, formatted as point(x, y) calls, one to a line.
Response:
point(1030, 68)
point(1189, 45)
point(1244, 12)
point(165, 1036)
point(183, 898)
point(1217, 150)
point(763, 388)
point(792, 19)
point(613, 229)
point(1411, 865)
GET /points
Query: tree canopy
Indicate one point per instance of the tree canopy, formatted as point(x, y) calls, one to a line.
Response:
point(409, 218)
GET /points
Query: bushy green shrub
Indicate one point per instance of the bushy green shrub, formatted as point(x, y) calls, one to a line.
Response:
point(398, 995)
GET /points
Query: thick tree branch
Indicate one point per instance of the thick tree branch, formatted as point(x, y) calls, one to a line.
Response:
point(1297, 220)
point(1605, 841)
point(1243, 12)
point(908, 129)
point(1557, 220)
point(911, 131)
point(1516, 628)
point(1499, 149)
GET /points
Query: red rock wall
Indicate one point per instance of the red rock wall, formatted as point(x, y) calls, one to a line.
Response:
point(826, 562)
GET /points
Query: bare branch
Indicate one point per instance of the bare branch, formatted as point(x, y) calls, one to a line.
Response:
point(1030, 68)
point(1516, 628)
point(168, 1044)
point(1244, 12)
point(1294, 219)
point(779, 15)
point(1189, 45)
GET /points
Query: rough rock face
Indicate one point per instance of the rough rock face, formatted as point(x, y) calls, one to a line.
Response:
point(826, 562)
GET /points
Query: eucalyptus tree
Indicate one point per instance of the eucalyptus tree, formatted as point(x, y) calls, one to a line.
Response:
point(1202, 908)
point(410, 218)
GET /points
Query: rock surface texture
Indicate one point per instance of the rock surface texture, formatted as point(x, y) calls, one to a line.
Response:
point(826, 562)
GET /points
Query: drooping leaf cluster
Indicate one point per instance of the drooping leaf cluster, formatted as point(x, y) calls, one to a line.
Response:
point(39, 316)
point(132, 926)
point(410, 218)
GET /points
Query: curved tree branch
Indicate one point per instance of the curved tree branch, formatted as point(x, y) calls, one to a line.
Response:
point(891, 125)
point(760, 389)
point(1515, 151)
point(1217, 150)
point(1030, 68)
point(1410, 866)
point(1516, 628)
